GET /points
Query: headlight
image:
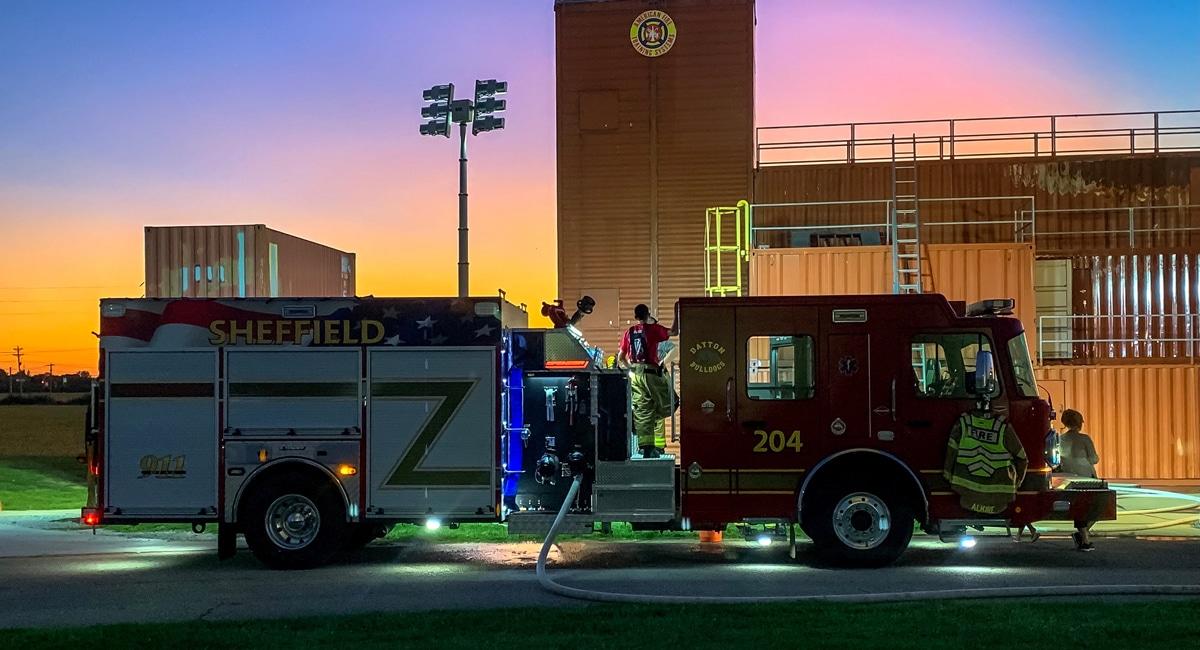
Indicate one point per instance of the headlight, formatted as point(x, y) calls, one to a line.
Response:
point(1052, 451)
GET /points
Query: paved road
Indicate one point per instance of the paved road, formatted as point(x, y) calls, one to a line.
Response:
point(157, 580)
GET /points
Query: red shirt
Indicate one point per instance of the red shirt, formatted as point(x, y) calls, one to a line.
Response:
point(640, 342)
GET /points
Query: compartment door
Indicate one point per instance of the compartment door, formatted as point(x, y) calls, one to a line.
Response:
point(293, 391)
point(160, 455)
point(432, 433)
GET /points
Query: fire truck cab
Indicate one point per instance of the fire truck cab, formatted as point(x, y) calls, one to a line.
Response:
point(835, 412)
point(311, 425)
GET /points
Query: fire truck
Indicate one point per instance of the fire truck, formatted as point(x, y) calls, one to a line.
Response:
point(312, 425)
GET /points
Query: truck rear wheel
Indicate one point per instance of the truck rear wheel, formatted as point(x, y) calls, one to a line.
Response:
point(293, 522)
point(858, 524)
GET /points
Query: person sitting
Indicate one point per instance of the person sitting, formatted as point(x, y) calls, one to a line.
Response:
point(1078, 452)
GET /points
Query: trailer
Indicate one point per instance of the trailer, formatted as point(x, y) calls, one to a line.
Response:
point(312, 425)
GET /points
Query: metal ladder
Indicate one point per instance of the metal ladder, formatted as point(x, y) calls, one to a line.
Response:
point(906, 219)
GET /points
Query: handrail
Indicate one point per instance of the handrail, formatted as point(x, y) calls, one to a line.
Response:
point(948, 141)
point(1142, 334)
point(1029, 223)
point(1024, 226)
point(1131, 228)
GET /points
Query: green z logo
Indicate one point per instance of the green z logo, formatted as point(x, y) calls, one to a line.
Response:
point(450, 396)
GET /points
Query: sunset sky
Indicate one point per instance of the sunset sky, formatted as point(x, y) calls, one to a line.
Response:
point(303, 116)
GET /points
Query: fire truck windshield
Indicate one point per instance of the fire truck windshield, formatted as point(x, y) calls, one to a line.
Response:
point(1018, 349)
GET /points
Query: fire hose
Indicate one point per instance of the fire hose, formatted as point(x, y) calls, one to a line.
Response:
point(553, 587)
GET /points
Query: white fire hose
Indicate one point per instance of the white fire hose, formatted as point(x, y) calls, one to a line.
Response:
point(550, 585)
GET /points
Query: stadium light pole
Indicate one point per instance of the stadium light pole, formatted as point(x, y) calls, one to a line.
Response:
point(443, 111)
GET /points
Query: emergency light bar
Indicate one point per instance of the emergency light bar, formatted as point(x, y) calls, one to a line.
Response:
point(993, 307)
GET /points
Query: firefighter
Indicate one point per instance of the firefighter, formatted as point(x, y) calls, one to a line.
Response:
point(985, 461)
point(651, 389)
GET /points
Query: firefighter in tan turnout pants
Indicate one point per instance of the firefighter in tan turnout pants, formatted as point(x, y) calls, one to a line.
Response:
point(649, 381)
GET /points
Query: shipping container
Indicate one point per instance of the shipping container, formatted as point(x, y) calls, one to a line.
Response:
point(1120, 308)
point(645, 144)
point(968, 272)
point(1145, 420)
point(242, 261)
point(1067, 206)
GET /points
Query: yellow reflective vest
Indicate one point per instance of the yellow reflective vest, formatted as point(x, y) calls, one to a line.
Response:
point(985, 461)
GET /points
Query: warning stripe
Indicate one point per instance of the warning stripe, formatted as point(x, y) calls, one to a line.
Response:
point(294, 389)
point(158, 389)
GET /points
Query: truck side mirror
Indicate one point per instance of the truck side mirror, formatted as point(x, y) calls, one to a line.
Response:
point(985, 374)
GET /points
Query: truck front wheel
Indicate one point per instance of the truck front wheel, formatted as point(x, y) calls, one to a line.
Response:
point(863, 525)
point(293, 522)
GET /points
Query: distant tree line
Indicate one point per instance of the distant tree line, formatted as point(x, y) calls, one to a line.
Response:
point(79, 382)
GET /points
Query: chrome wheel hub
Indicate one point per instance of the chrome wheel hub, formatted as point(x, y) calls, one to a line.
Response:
point(292, 521)
point(861, 521)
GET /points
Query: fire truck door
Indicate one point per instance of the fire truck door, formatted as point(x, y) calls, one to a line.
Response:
point(707, 408)
point(847, 367)
point(779, 410)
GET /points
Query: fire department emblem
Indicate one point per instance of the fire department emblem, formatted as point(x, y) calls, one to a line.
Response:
point(707, 357)
point(652, 33)
point(848, 365)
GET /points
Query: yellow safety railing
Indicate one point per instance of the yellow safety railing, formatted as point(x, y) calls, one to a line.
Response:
point(717, 250)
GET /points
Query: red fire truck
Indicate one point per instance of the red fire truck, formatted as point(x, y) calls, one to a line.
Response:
point(311, 425)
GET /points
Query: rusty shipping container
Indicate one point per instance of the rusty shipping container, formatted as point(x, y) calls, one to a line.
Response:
point(1082, 204)
point(242, 261)
point(655, 118)
point(1134, 307)
point(1145, 420)
point(969, 272)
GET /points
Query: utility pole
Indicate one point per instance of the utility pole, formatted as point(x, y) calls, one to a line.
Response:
point(443, 111)
point(18, 351)
point(51, 377)
point(10, 381)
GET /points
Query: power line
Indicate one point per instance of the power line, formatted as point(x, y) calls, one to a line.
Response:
point(63, 288)
point(43, 350)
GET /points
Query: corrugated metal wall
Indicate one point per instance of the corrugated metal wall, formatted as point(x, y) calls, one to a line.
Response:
point(1145, 420)
point(645, 145)
point(820, 271)
point(234, 261)
point(1077, 184)
point(307, 268)
point(1148, 304)
point(967, 272)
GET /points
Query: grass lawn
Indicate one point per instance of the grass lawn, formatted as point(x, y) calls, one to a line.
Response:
point(41, 430)
point(42, 483)
point(921, 626)
point(38, 447)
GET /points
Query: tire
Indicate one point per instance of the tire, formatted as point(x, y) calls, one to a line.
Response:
point(863, 524)
point(294, 522)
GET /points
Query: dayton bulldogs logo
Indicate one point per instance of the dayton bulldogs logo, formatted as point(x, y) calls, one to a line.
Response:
point(708, 357)
point(652, 33)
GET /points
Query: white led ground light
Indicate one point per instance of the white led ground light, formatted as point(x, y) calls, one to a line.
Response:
point(939, 594)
